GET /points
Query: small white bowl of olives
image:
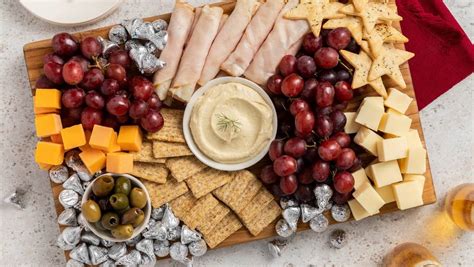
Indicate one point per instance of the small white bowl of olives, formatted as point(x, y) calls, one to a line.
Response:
point(116, 207)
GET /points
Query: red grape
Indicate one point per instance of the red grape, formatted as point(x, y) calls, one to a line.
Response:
point(116, 72)
point(297, 106)
point(138, 109)
point(52, 57)
point(93, 79)
point(276, 149)
point(295, 147)
point(274, 84)
point(141, 88)
point(72, 72)
point(345, 160)
point(343, 91)
point(44, 82)
point(120, 57)
point(326, 58)
point(284, 165)
point(341, 105)
point(343, 182)
point(84, 62)
point(327, 76)
point(323, 126)
point(309, 89)
point(91, 48)
point(339, 38)
point(304, 122)
point(110, 121)
point(95, 100)
point(73, 98)
point(343, 75)
point(304, 194)
point(288, 184)
point(154, 102)
point(292, 85)
point(324, 111)
point(311, 154)
point(122, 119)
point(329, 150)
point(53, 72)
point(109, 87)
point(90, 117)
point(338, 120)
point(268, 176)
point(152, 121)
point(123, 93)
point(64, 44)
point(306, 66)
point(343, 139)
point(356, 165)
point(311, 43)
point(320, 171)
point(324, 94)
point(118, 105)
point(341, 199)
point(71, 113)
point(287, 65)
point(306, 177)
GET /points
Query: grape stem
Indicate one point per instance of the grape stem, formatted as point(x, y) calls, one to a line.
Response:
point(346, 67)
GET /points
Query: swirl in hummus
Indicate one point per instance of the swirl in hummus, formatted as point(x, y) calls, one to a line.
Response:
point(231, 123)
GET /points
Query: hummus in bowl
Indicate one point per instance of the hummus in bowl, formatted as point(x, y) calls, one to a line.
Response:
point(229, 123)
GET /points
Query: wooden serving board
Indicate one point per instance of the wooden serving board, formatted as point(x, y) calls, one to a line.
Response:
point(34, 52)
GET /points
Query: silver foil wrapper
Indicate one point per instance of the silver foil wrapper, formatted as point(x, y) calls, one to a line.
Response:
point(133, 242)
point(80, 254)
point(68, 217)
point(144, 31)
point(68, 198)
point(283, 229)
point(151, 223)
point(117, 251)
point(188, 235)
point(291, 216)
point(132, 258)
point(147, 260)
point(198, 248)
point(107, 243)
point(157, 213)
point(319, 223)
point(145, 246)
point(72, 235)
point(323, 194)
point(78, 206)
point(118, 34)
point(329, 205)
point(174, 234)
point(150, 64)
point(132, 44)
point(97, 254)
point(161, 248)
point(188, 262)
point(131, 26)
point(308, 212)
point(84, 176)
point(338, 238)
point(74, 162)
point(74, 263)
point(85, 185)
point(108, 263)
point(151, 47)
point(158, 231)
point(90, 238)
point(74, 183)
point(62, 244)
point(107, 45)
point(16, 199)
point(169, 220)
point(276, 247)
point(58, 174)
point(288, 202)
point(82, 222)
point(160, 39)
point(178, 251)
point(159, 25)
point(340, 213)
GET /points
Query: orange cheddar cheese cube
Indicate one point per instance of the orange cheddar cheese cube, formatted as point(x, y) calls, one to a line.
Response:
point(56, 138)
point(45, 167)
point(49, 153)
point(119, 162)
point(101, 137)
point(38, 110)
point(88, 137)
point(48, 124)
point(73, 136)
point(130, 138)
point(47, 98)
point(93, 159)
point(114, 147)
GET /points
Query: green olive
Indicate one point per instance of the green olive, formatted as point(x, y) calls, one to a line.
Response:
point(138, 198)
point(131, 215)
point(118, 201)
point(122, 231)
point(123, 185)
point(110, 220)
point(140, 218)
point(91, 211)
point(103, 186)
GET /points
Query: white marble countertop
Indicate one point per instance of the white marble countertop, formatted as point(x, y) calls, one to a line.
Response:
point(29, 236)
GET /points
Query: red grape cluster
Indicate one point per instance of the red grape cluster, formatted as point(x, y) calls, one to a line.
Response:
point(99, 90)
point(310, 92)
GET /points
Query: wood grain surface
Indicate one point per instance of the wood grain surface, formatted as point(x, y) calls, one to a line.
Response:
point(34, 52)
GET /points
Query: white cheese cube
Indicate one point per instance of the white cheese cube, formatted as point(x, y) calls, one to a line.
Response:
point(397, 100)
point(393, 148)
point(351, 126)
point(413, 139)
point(386, 193)
point(408, 194)
point(370, 112)
point(415, 162)
point(358, 212)
point(368, 198)
point(395, 124)
point(385, 173)
point(367, 139)
point(392, 111)
point(415, 177)
point(359, 178)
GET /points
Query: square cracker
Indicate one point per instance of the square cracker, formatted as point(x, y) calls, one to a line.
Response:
point(250, 191)
point(183, 167)
point(183, 204)
point(207, 180)
point(255, 206)
point(213, 218)
point(170, 150)
point(172, 130)
point(198, 213)
point(146, 154)
point(163, 193)
point(226, 227)
point(232, 191)
point(268, 214)
point(154, 172)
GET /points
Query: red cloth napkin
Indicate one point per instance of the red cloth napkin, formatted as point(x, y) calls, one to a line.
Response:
point(443, 53)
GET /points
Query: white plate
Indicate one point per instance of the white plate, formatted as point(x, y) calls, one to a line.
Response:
point(189, 138)
point(71, 12)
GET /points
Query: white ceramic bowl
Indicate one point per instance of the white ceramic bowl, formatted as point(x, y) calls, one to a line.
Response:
point(190, 140)
point(105, 234)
